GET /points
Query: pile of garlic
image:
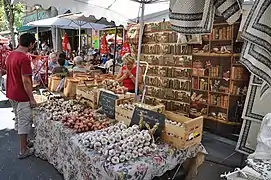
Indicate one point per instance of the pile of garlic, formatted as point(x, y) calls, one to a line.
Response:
point(118, 143)
point(129, 106)
point(57, 108)
point(174, 123)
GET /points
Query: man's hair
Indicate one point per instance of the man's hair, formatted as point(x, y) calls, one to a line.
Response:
point(62, 55)
point(26, 39)
point(61, 61)
point(111, 56)
point(78, 60)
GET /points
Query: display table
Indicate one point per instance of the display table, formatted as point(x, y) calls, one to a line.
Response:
point(59, 145)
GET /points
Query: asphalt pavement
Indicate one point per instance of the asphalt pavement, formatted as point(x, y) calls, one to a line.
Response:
point(221, 158)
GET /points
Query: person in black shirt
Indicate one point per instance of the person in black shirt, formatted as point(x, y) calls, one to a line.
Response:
point(61, 70)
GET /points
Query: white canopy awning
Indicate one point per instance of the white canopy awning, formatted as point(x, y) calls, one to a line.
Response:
point(66, 24)
point(119, 11)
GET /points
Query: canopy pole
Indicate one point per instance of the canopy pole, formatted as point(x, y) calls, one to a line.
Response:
point(139, 49)
point(79, 48)
point(56, 39)
point(38, 42)
point(115, 49)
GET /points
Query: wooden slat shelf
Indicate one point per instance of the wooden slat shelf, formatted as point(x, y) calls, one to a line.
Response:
point(179, 78)
point(168, 100)
point(216, 54)
point(221, 78)
point(179, 90)
point(216, 119)
point(166, 66)
point(176, 55)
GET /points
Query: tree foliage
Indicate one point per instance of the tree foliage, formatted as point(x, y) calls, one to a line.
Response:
point(10, 16)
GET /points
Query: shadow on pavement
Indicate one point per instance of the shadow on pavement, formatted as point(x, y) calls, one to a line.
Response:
point(12, 168)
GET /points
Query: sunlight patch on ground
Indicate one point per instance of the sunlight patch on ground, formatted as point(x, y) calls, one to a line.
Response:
point(6, 117)
point(3, 96)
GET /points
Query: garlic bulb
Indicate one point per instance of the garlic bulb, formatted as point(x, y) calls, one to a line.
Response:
point(119, 143)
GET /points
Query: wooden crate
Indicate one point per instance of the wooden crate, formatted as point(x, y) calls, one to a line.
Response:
point(120, 96)
point(184, 136)
point(125, 115)
point(90, 97)
point(40, 99)
point(91, 104)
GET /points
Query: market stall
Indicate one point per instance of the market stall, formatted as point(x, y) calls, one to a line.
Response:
point(61, 147)
point(95, 142)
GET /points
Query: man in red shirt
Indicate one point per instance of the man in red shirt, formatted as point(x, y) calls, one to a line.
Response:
point(19, 90)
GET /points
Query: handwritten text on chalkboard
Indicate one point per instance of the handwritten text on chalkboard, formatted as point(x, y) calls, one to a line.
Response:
point(107, 103)
point(150, 117)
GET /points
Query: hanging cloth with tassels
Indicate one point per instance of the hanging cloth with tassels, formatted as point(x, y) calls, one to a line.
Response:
point(256, 52)
point(197, 16)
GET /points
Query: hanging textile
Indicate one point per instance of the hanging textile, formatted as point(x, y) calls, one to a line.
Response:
point(66, 44)
point(104, 46)
point(256, 52)
point(197, 16)
point(133, 33)
point(125, 48)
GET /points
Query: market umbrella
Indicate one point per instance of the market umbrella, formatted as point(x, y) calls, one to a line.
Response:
point(104, 46)
point(112, 11)
point(61, 22)
point(81, 20)
point(65, 23)
point(125, 48)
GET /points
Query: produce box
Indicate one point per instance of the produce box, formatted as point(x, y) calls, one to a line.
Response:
point(182, 132)
point(40, 98)
point(121, 96)
point(124, 113)
point(87, 95)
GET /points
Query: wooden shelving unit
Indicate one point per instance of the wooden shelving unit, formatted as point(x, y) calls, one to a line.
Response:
point(170, 68)
point(219, 82)
point(197, 80)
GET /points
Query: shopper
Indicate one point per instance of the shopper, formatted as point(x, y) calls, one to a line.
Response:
point(19, 90)
point(52, 61)
point(79, 67)
point(127, 74)
point(61, 70)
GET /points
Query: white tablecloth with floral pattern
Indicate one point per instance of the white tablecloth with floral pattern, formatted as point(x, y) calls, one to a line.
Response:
point(60, 147)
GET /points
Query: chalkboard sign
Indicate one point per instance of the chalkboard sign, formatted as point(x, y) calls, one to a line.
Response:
point(150, 117)
point(107, 103)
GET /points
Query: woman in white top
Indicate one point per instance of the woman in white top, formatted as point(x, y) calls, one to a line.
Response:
point(79, 67)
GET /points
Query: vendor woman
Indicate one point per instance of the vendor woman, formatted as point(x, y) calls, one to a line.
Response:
point(127, 74)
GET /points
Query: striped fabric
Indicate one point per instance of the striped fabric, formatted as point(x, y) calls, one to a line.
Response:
point(197, 16)
point(256, 53)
